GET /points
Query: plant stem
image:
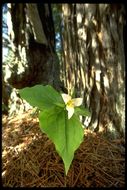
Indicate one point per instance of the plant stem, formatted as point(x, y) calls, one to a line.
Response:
point(65, 180)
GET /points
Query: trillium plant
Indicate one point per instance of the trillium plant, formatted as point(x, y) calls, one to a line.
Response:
point(58, 118)
point(71, 103)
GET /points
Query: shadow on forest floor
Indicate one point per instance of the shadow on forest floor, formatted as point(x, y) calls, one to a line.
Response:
point(29, 158)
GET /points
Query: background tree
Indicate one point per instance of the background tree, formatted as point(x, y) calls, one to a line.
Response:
point(94, 61)
point(32, 38)
point(91, 52)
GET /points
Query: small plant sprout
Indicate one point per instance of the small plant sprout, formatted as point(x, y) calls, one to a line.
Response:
point(71, 103)
point(55, 118)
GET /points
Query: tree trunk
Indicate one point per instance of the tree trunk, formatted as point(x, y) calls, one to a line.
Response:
point(94, 62)
point(32, 37)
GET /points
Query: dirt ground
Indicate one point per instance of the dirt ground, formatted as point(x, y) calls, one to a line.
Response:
point(29, 158)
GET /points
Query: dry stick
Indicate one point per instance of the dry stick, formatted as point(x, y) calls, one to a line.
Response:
point(105, 173)
point(103, 179)
point(117, 159)
point(59, 181)
point(111, 144)
point(59, 175)
point(22, 169)
point(32, 183)
point(77, 177)
point(112, 157)
point(72, 176)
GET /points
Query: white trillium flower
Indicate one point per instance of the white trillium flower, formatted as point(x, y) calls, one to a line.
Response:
point(71, 103)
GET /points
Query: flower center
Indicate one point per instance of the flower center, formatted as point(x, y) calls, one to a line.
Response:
point(70, 103)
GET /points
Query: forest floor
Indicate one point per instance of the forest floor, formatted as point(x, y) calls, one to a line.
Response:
point(29, 158)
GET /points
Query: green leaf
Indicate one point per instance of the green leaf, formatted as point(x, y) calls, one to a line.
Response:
point(65, 134)
point(82, 111)
point(43, 97)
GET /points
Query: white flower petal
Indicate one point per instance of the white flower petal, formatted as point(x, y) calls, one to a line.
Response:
point(77, 101)
point(66, 97)
point(70, 111)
